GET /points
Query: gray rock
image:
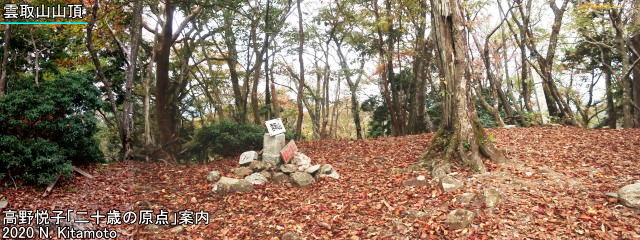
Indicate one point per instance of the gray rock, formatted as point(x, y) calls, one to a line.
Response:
point(177, 229)
point(459, 218)
point(326, 169)
point(313, 169)
point(4, 202)
point(152, 227)
point(242, 186)
point(214, 157)
point(440, 171)
point(279, 177)
point(630, 195)
point(301, 161)
point(411, 213)
point(333, 175)
point(416, 182)
point(242, 171)
point(491, 197)
point(256, 179)
point(302, 179)
point(258, 166)
point(466, 198)
point(448, 183)
point(273, 159)
point(221, 188)
point(247, 157)
point(509, 126)
point(612, 194)
point(291, 236)
point(273, 145)
point(226, 185)
point(288, 168)
point(213, 176)
point(266, 174)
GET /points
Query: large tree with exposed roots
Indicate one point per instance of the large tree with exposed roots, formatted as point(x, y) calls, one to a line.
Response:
point(460, 137)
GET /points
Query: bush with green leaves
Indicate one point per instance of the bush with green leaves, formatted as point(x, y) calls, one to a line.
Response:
point(379, 125)
point(226, 138)
point(43, 130)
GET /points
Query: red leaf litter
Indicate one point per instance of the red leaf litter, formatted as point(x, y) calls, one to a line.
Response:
point(553, 188)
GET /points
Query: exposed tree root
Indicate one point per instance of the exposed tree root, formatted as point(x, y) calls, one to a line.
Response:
point(452, 146)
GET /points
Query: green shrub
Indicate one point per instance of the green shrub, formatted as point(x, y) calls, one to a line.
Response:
point(43, 130)
point(379, 125)
point(225, 138)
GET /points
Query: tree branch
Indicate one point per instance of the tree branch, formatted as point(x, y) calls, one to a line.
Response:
point(186, 21)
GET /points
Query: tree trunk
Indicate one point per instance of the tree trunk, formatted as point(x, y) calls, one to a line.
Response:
point(96, 62)
point(355, 111)
point(386, 59)
point(398, 113)
point(460, 136)
point(267, 91)
point(36, 65)
point(423, 115)
point(325, 94)
point(507, 77)
point(612, 116)
point(556, 105)
point(636, 75)
point(5, 59)
point(232, 61)
point(274, 101)
point(525, 71)
point(417, 86)
point(147, 101)
point(621, 48)
point(166, 109)
point(353, 86)
point(334, 116)
point(635, 45)
point(127, 115)
point(301, 85)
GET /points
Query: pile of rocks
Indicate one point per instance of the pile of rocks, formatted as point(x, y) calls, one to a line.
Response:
point(271, 164)
point(461, 217)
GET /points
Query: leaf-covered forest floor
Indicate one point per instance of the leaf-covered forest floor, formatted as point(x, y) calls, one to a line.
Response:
point(554, 188)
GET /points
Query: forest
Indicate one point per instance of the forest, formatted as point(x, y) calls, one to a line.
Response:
point(395, 119)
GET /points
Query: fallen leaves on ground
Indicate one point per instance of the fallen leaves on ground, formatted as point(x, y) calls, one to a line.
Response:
point(554, 186)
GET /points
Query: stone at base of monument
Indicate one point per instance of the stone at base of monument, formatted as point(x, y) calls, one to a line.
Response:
point(288, 168)
point(273, 159)
point(302, 161)
point(313, 169)
point(247, 157)
point(280, 177)
point(259, 167)
point(213, 176)
point(266, 174)
point(256, 179)
point(302, 179)
point(226, 185)
point(242, 171)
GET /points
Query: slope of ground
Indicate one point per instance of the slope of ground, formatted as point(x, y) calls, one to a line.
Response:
point(554, 188)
